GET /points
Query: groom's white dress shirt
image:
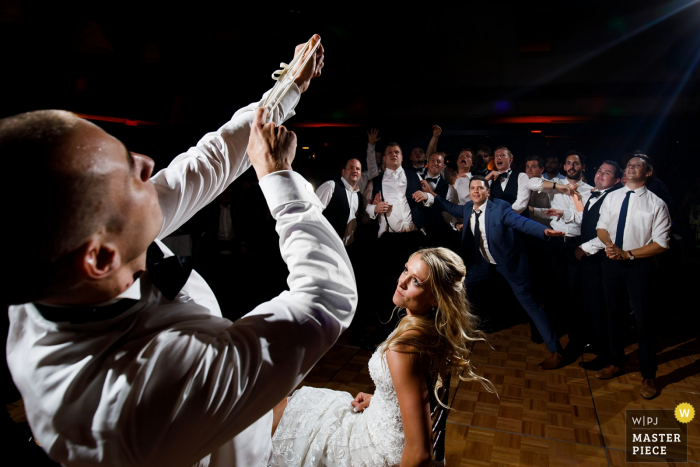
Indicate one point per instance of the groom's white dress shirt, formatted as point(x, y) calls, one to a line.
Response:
point(172, 383)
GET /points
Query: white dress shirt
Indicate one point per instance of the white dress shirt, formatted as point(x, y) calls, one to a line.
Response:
point(484, 244)
point(570, 221)
point(172, 383)
point(540, 201)
point(394, 185)
point(458, 193)
point(648, 220)
point(523, 197)
point(325, 193)
point(225, 223)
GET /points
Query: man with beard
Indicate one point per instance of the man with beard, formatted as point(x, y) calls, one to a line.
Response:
point(566, 213)
point(607, 180)
point(552, 168)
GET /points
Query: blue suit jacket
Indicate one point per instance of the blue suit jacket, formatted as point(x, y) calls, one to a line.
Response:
point(504, 245)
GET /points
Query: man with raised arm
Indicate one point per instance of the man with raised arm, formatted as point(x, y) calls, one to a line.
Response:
point(119, 351)
point(419, 157)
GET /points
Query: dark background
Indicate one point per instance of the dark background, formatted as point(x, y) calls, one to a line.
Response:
point(603, 77)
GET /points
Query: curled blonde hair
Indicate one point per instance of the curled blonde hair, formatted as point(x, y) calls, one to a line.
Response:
point(445, 334)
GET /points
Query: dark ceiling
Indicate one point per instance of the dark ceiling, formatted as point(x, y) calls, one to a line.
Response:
point(190, 65)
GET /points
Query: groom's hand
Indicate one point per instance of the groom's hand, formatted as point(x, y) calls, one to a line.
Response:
point(270, 148)
point(361, 401)
point(313, 66)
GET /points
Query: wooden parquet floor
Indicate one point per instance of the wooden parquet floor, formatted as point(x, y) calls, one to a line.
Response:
point(564, 417)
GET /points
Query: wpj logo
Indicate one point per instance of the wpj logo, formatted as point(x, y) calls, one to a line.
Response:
point(656, 435)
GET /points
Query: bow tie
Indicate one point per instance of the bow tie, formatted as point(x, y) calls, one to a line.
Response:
point(595, 194)
point(503, 176)
point(168, 275)
point(434, 180)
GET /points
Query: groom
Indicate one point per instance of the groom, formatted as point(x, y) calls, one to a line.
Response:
point(490, 247)
point(120, 353)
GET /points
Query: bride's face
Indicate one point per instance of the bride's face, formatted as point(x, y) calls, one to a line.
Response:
point(413, 291)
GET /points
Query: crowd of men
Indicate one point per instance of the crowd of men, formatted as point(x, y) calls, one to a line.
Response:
point(596, 240)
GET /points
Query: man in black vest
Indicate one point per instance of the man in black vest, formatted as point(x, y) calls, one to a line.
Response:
point(607, 179)
point(510, 186)
point(343, 205)
point(342, 201)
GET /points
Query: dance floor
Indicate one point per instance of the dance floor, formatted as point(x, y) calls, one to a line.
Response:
point(564, 417)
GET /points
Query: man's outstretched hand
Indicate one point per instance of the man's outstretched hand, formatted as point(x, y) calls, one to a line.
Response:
point(270, 148)
point(313, 66)
point(553, 233)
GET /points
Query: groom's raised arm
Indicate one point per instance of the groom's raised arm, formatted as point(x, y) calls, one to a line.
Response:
point(239, 374)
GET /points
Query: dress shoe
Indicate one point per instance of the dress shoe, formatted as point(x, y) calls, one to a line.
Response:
point(609, 372)
point(554, 361)
point(649, 390)
point(596, 364)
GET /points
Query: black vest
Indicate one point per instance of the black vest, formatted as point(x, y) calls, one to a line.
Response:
point(412, 185)
point(510, 194)
point(338, 210)
point(589, 220)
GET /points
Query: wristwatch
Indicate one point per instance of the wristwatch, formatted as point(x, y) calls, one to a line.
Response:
point(631, 255)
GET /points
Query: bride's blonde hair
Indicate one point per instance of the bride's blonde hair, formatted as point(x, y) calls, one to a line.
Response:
point(445, 334)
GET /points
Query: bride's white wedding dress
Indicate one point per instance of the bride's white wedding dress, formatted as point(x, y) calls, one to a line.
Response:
point(319, 427)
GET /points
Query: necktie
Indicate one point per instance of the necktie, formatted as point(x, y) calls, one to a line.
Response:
point(168, 275)
point(596, 194)
point(577, 200)
point(432, 180)
point(622, 220)
point(477, 238)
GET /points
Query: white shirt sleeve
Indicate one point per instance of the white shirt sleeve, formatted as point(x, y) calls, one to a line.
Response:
point(604, 217)
point(661, 228)
point(372, 169)
point(429, 202)
point(195, 178)
point(523, 198)
point(325, 193)
point(211, 386)
point(593, 246)
point(535, 184)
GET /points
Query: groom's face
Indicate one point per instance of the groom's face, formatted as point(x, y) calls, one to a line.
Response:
point(478, 192)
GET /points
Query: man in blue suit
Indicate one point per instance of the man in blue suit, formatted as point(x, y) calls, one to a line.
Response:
point(490, 247)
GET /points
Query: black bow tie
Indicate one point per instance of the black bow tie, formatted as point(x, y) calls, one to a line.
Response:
point(434, 180)
point(503, 176)
point(595, 194)
point(168, 275)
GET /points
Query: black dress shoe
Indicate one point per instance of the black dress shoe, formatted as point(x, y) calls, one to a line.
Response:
point(596, 364)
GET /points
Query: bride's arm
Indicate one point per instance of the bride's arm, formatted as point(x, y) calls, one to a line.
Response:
point(412, 392)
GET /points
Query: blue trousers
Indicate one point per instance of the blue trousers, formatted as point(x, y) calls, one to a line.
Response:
point(479, 274)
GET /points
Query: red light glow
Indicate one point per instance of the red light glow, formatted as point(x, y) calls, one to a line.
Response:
point(542, 119)
point(125, 121)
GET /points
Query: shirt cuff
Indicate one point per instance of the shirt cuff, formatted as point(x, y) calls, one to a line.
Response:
point(429, 202)
point(567, 216)
point(285, 187)
point(370, 211)
point(592, 247)
point(289, 102)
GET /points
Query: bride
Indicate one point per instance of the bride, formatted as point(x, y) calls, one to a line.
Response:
point(321, 427)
